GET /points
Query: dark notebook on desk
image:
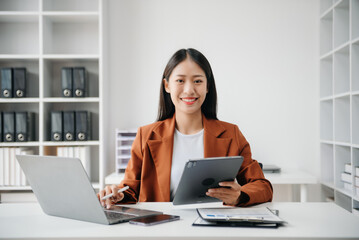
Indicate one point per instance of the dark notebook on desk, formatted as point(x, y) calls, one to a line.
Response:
point(270, 168)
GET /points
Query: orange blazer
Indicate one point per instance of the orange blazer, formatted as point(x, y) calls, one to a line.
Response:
point(148, 172)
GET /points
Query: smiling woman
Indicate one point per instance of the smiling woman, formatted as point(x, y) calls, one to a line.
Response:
point(187, 127)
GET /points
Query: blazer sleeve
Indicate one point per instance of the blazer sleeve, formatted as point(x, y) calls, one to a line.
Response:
point(255, 187)
point(133, 171)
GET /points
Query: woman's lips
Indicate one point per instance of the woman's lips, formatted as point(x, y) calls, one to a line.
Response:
point(189, 101)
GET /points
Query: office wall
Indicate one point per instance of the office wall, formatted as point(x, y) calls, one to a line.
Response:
point(264, 54)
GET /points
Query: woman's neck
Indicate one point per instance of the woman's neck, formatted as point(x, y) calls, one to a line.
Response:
point(189, 123)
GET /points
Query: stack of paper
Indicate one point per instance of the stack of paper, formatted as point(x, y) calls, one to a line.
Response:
point(10, 172)
point(253, 217)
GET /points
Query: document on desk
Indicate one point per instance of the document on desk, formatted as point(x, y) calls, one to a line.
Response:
point(252, 215)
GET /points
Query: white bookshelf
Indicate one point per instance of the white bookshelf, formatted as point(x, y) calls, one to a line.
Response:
point(44, 36)
point(339, 97)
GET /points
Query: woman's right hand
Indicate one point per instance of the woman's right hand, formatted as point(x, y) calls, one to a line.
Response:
point(117, 197)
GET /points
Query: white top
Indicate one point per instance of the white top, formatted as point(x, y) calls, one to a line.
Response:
point(185, 147)
point(315, 220)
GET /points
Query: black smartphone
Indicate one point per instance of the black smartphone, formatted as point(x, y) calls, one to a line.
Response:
point(157, 219)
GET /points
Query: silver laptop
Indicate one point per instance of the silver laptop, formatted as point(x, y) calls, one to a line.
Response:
point(63, 189)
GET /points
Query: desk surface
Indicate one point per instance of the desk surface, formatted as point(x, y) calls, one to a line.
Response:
point(305, 220)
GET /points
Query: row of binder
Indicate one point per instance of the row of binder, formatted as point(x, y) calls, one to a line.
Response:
point(11, 173)
point(80, 152)
point(74, 82)
point(13, 82)
point(70, 126)
point(17, 126)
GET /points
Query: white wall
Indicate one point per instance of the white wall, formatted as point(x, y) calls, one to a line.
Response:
point(264, 54)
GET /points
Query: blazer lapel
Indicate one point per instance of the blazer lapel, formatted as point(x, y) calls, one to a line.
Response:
point(161, 152)
point(214, 145)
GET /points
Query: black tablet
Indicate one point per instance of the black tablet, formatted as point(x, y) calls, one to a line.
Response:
point(201, 174)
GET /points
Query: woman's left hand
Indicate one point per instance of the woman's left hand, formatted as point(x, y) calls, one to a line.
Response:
point(229, 192)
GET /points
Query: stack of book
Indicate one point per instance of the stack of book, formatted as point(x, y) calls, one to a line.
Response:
point(11, 173)
point(346, 177)
point(81, 152)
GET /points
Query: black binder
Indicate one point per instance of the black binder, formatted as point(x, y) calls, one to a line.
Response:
point(6, 83)
point(24, 126)
point(19, 82)
point(56, 126)
point(66, 81)
point(9, 126)
point(83, 128)
point(69, 126)
point(79, 82)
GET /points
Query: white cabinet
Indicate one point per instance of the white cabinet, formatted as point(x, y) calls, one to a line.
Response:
point(43, 36)
point(339, 98)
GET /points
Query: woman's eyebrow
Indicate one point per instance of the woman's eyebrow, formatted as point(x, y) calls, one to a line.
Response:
point(183, 75)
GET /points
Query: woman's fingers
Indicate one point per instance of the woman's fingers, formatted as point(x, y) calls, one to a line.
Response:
point(229, 194)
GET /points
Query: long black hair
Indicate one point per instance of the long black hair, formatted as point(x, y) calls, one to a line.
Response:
point(166, 108)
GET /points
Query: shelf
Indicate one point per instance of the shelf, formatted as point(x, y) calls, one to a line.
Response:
point(344, 192)
point(328, 184)
point(341, 23)
point(19, 100)
point(325, 5)
point(72, 34)
point(327, 160)
point(326, 120)
point(32, 77)
point(342, 156)
point(355, 18)
point(70, 16)
point(43, 36)
point(70, 5)
point(326, 76)
point(19, 5)
point(341, 71)
point(326, 33)
point(343, 200)
point(17, 29)
point(12, 188)
point(92, 107)
point(52, 76)
point(71, 143)
point(355, 120)
point(19, 144)
point(354, 67)
point(19, 56)
point(342, 119)
point(341, 95)
point(72, 99)
point(20, 14)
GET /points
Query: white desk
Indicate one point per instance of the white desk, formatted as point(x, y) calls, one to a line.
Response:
point(305, 221)
point(293, 177)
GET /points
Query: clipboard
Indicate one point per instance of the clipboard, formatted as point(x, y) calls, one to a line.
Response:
point(238, 217)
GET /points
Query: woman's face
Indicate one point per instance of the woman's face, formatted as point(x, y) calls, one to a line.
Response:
point(187, 86)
